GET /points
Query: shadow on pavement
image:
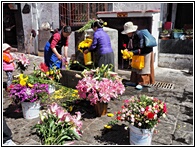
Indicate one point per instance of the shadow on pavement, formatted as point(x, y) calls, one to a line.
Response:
point(13, 111)
point(85, 108)
point(117, 135)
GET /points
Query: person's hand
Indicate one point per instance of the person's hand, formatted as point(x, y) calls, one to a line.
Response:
point(11, 61)
point(126, 49)
point(59, 57)
point(86, 51)
point(66, 63)
point(131, 54)
point(14, 49)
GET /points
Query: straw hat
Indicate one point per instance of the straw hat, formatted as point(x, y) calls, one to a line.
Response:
point(129, 27)
point(5, 46)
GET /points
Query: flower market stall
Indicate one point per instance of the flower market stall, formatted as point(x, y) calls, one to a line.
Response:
point(100, 86)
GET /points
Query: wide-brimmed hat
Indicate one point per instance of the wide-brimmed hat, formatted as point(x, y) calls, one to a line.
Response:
point(5, 46)
point(129, 27)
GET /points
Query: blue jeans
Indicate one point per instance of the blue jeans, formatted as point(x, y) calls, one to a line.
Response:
point(9, 77)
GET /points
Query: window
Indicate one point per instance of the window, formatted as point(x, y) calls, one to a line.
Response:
point(78, 14)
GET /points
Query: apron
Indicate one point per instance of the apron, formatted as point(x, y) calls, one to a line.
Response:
point(50, 57)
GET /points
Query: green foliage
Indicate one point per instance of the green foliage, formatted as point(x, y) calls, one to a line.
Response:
point(112, 122)
point(104, 71)
point(189, 31)
point(165, 32)
point(178, 30)
point(86, 26)
point(57, 125)
point(54, 132)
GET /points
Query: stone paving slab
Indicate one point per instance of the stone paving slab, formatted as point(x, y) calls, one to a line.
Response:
point(175, 129)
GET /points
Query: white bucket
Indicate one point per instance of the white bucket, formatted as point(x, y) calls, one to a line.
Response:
point(139, 136)
point(30, 109)
point(51, 89)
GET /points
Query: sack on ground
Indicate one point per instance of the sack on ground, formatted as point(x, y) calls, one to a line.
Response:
point(150, 41)
point(137, 62)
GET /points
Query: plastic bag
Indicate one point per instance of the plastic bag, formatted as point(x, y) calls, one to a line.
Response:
point(138, 62)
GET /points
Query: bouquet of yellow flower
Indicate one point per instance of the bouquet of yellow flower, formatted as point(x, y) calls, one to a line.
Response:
point(83, 46)
point(66, 97)
point(126, 54)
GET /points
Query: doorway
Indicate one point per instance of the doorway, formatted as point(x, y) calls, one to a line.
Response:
point(9, 26)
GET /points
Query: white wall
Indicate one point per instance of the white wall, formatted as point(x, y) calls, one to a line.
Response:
point(129, 6)
point(40, 13)
point(155, 33)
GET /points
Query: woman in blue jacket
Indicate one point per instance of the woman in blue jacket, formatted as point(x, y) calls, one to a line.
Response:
point(101, 43)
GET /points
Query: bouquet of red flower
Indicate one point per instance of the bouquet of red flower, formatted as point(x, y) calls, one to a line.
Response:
point(48, 74)
point(142, 111)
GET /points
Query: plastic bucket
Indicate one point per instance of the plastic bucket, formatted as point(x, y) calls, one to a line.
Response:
point(139, 136)
point(87, 58)
point(177, 35)
point(30, 109)
point(51, 89)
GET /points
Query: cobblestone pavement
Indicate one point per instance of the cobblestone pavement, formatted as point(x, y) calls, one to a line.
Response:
point(175, 129)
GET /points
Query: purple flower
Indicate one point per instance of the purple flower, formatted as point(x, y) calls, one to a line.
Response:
point(27, 94)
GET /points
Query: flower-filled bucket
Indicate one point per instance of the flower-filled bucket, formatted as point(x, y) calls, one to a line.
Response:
point(87, 58)
point(138, 136)
point(30, 109)
point(51, 89)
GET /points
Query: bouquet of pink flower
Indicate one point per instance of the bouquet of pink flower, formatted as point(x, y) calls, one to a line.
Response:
point(100, 85)
point(56, 125)
point(22, 62)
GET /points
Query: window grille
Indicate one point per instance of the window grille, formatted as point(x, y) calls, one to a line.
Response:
point(78, 14)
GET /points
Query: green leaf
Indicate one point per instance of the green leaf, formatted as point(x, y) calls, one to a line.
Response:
point(76, 135)
point(51, 123)
point(62, 138)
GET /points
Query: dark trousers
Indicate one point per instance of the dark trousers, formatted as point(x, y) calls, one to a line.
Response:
point(7, 134)
point(105, 59)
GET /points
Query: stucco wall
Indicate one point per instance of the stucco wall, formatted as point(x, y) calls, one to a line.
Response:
point(40, 13)
point(136, 6)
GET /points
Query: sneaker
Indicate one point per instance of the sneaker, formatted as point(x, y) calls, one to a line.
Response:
point(9, 142)
point(139, 87)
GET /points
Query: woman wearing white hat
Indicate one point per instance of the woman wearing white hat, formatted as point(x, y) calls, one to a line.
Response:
point(136, 46)
point(8, 62)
